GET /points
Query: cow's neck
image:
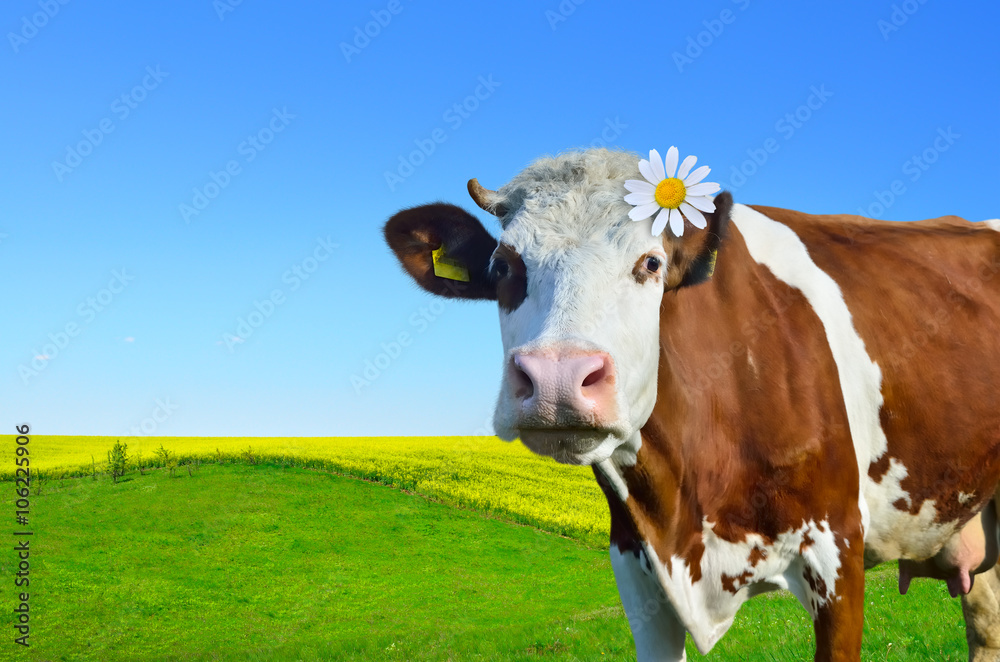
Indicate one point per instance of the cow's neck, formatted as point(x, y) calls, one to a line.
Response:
point(707, 352)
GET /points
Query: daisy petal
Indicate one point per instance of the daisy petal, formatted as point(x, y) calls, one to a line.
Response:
point(693, 215)
point(686, 166)
point(657, 164)
point(676, 223)
point(639, 198)
point(661, 221)
point(700, 202)
point(671, 164)
point(696, 176)
point(706, 188)
point(639, 186)
point(643, 211)
point(649, 172)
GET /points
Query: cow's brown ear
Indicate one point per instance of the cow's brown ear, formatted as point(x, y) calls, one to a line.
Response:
point(694, 255)
point(445, 249)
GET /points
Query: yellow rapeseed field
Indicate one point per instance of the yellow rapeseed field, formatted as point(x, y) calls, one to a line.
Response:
point(481, 473)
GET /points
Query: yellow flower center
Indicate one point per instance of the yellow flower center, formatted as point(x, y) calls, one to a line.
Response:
point(670, 193)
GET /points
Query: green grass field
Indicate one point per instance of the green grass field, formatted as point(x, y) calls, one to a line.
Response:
point(482, 473)
point(272, 562)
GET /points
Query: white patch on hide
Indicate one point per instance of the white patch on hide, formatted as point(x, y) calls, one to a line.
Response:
point(966, 499)
point(614, 477)
point(896, 533)
point(707, 608)
point(892, 491)
point(993, 223)
point(777, 247)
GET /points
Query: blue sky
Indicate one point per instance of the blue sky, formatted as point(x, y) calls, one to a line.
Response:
point(172, 170)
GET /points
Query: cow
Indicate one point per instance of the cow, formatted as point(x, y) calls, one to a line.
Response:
point(776, 401)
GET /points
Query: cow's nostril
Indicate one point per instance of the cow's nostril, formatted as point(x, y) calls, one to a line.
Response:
point(524, 388)
point(596, 376)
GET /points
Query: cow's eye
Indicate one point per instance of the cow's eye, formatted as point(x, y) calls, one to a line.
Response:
point(652, 264)
point(499, 269)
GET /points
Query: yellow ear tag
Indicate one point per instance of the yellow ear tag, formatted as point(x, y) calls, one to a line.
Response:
point(711, 262)
point(448, 268)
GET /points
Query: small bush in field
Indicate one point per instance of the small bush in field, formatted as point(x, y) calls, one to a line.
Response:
point(117, 458)
point(166, 458)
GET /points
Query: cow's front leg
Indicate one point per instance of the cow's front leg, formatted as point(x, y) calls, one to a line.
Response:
point(656, 630)
point(839, 615)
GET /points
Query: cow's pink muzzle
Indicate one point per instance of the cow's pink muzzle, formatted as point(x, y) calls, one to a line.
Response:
point(568, 389)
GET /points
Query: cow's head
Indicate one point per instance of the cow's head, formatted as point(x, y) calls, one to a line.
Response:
point(579, 287)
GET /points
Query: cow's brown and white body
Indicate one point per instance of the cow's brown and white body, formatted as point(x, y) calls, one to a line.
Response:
point(820, 346)
point(822, 401)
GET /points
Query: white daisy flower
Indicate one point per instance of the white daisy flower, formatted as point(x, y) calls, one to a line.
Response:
point(672, 191)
